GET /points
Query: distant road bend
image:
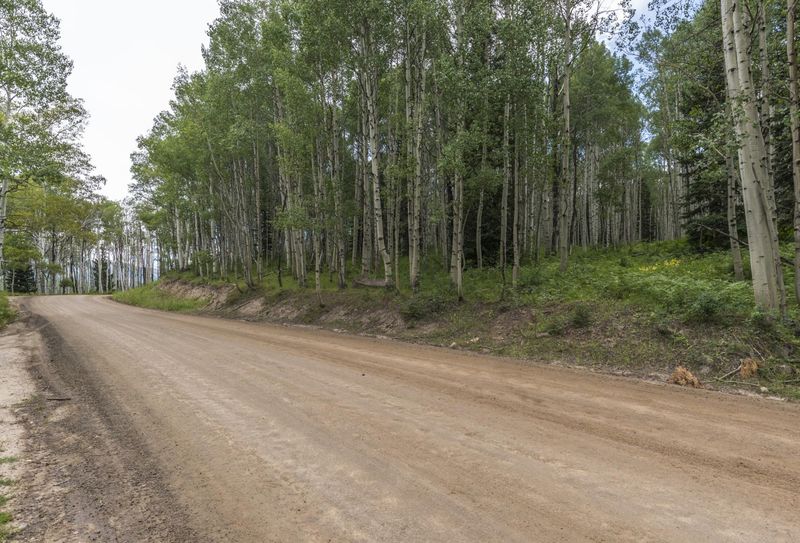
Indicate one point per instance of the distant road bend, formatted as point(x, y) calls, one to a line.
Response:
point(271, 433)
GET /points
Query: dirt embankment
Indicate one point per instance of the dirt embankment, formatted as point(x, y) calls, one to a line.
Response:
point(363, 314)
point(612, 340)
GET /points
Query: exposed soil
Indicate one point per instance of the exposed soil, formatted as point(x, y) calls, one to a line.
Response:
point(16, 387)
point(86, 474)
point(216, 296)
point(614, 340)
point(252, 432)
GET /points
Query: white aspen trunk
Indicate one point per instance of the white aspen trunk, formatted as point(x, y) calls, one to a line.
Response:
point(794, 110)
point(765, 94)
point(370, 83)
point(762, 237)
point(506, 180)
point(418, 136)
point(563, 193)
point(3, 219)
point(515, 218)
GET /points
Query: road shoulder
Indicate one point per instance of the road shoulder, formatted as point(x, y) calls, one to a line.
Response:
point(76, 479)
point(16, 388)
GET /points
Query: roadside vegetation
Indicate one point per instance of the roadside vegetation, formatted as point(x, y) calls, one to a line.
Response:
point(5, 516)
point(6, 312)
point(640, 310)
point(152, 297)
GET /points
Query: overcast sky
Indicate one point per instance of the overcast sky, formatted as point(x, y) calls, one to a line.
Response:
point(126, 55)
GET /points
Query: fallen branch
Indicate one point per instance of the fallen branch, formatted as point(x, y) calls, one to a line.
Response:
point(736, 382)
point(739, 368)
point(366, 282)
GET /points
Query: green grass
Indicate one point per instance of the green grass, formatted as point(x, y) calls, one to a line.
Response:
point(152, 297)
point(6, 313)
point(5, 517)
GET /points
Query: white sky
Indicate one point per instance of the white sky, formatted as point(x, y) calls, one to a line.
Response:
point(126, 54)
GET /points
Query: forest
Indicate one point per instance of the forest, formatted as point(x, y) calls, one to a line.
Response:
point(390, 143)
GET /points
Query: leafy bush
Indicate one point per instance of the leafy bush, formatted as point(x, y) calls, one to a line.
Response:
point(705, 308)
point(581, 316)
point(529, 279)
point(423, 305)
point(555, 326)
point(763, 321)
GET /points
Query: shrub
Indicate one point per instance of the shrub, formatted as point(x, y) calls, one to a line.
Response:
point(618, 288)
point(762, 321)
point(555, 326)
point(420, 306)
point(705, 308)
point(529, 279)
point(581, 316)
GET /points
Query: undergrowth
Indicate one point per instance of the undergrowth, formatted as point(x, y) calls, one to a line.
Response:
point(153, 297)
point(5, 517)
point(6, 313)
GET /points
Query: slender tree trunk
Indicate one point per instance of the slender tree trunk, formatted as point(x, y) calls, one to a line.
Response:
point(3, 219)
point(733, 231)
point(337, 201)
point(515, 218)
point(564, 200)
point(794, 111)
point(372, 120)
point(506, 181)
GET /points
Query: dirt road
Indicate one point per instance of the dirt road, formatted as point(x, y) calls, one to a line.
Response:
point(267, 433)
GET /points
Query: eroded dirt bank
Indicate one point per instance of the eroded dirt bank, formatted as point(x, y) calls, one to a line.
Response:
point(268, 433)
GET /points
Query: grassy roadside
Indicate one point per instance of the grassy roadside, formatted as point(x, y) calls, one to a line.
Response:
point(5, 517)
point(642, 310)
point(6, 313)
point(152, 297)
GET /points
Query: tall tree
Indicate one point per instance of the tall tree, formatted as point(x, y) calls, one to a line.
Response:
point(40, 122)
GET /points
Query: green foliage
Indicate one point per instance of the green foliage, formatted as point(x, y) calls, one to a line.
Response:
point(555, 326)
point(763, 321)
point(421, 306)
point(5, 519)
point(581, 316)
point(152, 297)
point(6, 313)
point(529, 279)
